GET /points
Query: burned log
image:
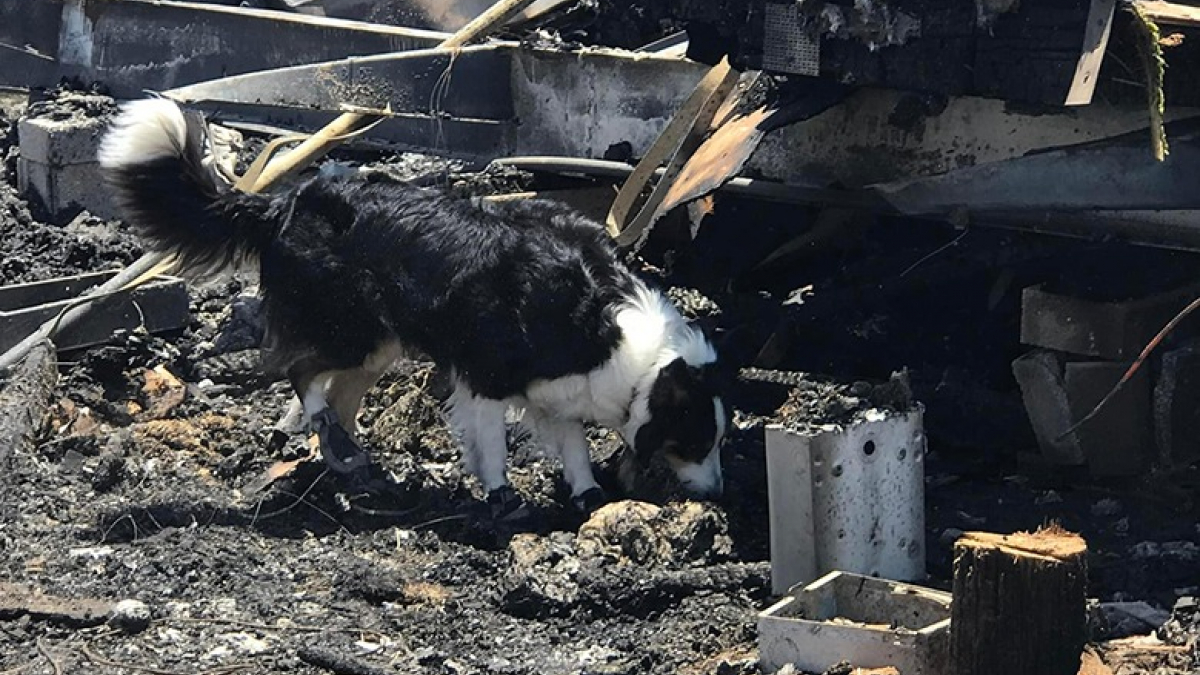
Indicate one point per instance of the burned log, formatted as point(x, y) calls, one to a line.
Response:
point(25, 399)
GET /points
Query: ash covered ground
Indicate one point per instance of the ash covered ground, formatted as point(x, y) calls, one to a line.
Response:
point(147, 483)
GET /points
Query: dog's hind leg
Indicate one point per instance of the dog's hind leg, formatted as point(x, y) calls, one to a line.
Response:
point(342, 454)
point(347, 387)
point(345, 394)
point(479, 422)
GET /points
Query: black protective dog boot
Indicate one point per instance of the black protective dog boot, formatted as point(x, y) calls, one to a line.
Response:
point(589, 500)
point(506, 505)
point(341, 453)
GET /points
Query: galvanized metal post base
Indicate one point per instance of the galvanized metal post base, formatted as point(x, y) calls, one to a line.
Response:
point(849, 499)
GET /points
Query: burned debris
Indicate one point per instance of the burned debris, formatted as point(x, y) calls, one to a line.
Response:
point(930, 236)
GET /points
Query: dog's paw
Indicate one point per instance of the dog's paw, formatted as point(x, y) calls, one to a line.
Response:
point(589, 500)
point(370, 483)
point(275, 440)
point(338, 448)
point(506, 505)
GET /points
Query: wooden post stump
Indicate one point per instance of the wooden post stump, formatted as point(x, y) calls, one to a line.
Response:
point(1018, 603)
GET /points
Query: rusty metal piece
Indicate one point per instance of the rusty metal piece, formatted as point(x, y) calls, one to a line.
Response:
point(717, 160)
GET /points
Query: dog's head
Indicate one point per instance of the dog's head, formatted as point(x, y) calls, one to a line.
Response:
point(684, 419)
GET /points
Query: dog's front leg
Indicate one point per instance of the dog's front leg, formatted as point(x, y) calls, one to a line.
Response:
point(479, 423)
point(570, 440)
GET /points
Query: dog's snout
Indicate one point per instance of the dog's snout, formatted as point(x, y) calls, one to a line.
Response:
point(702, 480)
point(704, 491)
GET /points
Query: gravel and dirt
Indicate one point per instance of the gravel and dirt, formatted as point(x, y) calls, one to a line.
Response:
point(160, 536)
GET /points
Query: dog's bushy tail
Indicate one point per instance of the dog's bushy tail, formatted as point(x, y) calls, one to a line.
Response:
point(155, 157)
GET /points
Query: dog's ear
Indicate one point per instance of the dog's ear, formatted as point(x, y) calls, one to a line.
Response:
point(674, 382)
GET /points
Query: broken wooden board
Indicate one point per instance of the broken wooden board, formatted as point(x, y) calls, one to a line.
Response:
point(1169, 13)
point(734, 141)
point(679, 139)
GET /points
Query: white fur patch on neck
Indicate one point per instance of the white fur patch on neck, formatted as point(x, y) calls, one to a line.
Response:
point(142, 132)
point(653, 330)
point(653, 334)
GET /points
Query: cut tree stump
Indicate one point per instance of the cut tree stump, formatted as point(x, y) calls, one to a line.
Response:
point(1018, 603)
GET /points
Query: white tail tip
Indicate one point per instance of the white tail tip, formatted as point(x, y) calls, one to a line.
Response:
point(142, 132)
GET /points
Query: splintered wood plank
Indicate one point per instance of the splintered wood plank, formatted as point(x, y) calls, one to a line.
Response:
point(1019, 603)
point(1169, 13)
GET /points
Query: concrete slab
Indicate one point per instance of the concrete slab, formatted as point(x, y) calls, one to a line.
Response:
point(58, 167)
point(59, 141)
point(66, 189)
point(1057, 392)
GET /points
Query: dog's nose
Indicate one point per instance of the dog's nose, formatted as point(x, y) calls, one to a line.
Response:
point(699, 490)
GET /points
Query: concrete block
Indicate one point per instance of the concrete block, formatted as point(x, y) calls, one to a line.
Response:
point(1039, 374)
point(871, 623)
point(1176, 415)
point(1116, 331)
point(1117, 441)
point(58, 140)
point(850, 499)
point(58, 165)
point(63, 190)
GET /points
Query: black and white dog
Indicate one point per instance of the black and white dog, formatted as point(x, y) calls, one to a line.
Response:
point(525, 303)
